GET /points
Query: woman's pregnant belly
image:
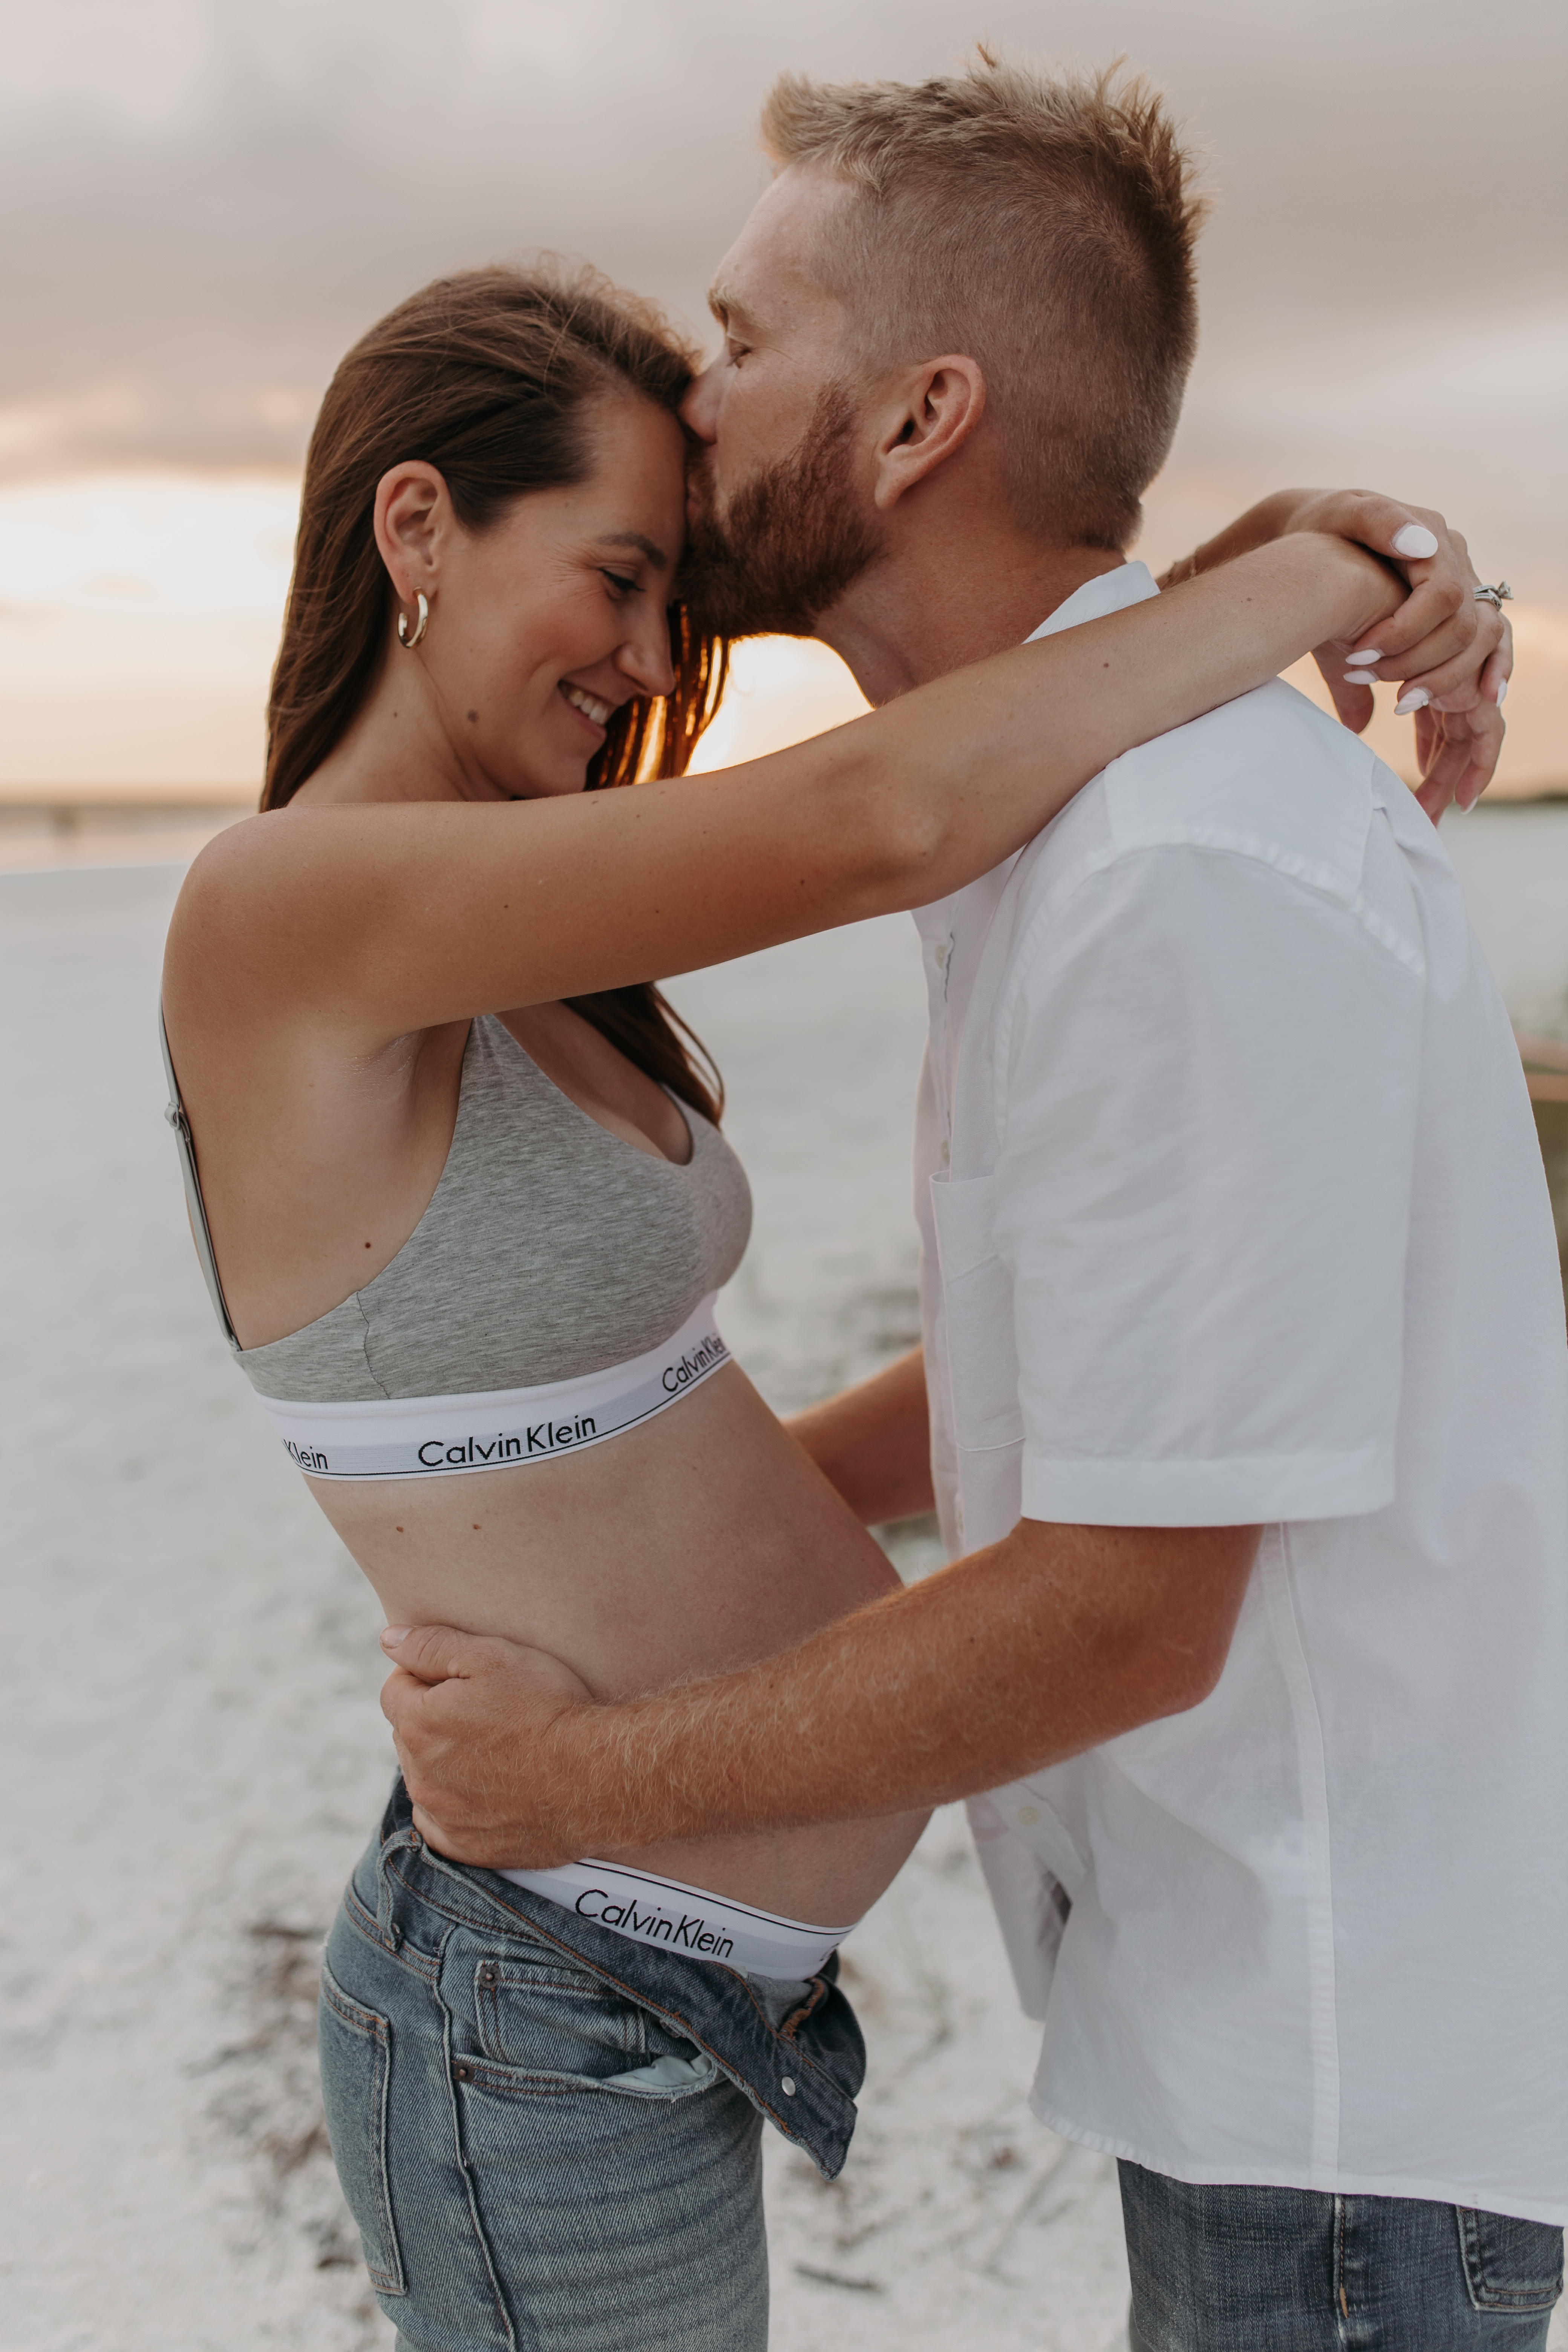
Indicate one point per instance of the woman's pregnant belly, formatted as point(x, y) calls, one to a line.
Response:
point(695, 1543)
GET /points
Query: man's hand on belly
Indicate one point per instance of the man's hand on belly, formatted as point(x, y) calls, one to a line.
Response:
point(466, 1713)
point(1051, 1641)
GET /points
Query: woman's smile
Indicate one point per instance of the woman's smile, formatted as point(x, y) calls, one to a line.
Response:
point(591, 707)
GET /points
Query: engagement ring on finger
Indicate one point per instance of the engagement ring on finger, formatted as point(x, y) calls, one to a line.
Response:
point(1495, 597)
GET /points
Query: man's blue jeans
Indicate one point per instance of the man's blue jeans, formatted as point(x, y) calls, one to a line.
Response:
point(1235, 2269)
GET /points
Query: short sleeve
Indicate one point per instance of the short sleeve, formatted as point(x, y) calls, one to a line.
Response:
point(1207, 1077)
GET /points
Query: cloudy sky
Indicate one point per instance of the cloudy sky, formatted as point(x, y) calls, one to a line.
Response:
point(202, 203)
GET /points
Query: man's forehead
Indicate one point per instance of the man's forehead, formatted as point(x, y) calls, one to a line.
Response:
point(768, 268)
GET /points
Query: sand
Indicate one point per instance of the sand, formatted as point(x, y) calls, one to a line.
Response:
point(193, 1754)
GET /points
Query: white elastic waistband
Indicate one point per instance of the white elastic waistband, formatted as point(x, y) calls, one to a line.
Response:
point(422, 1437)
point(683, 1918)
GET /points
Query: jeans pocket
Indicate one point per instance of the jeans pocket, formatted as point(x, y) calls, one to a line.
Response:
point(545, 2027)
point(1509, 2265)
point(356, 2074)
point(544, 2017)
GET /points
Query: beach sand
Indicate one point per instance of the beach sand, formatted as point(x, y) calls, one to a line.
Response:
point(194, 1756)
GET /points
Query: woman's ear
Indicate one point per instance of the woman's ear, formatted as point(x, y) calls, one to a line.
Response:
point(934, 414)
point(413, 518)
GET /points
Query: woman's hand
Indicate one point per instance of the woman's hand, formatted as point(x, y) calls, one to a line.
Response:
point(1452, 656)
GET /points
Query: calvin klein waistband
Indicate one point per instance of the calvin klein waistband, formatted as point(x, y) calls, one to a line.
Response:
point(490, 1429)
point(683, 1918)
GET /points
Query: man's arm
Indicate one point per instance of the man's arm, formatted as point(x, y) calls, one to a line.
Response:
point(873, 1441)
point(1044, 1645)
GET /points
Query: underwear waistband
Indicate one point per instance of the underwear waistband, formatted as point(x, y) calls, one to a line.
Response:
point(680, 1918)
point(490, 1429)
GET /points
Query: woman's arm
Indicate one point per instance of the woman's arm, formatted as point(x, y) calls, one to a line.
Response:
point(1458, 729)
point(382, 920)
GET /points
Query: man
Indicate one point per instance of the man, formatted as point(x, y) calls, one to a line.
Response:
point(1243, 1341)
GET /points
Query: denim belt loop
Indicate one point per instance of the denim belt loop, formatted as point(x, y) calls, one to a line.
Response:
point(404, 1840)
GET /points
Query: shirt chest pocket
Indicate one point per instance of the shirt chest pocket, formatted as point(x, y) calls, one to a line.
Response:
point(977, 1303)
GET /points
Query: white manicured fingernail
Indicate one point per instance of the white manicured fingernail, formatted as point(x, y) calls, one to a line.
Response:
point(1501, 692)
point(1416, 699)
point(1415, 540)
point(1361, 677)
point(1364, 655)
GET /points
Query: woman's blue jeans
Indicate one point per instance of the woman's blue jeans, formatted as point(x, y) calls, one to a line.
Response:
point(1234, 2269)
point(550, 2137)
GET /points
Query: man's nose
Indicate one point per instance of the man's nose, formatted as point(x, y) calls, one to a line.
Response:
point(700, 409)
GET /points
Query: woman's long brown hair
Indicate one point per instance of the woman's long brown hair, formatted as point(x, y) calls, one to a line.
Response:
point(489, 377)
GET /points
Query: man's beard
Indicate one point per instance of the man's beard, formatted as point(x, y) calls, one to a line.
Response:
point(791, 541)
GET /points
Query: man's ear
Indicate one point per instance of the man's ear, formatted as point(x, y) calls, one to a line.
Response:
point(931, 414)
point(412, 516)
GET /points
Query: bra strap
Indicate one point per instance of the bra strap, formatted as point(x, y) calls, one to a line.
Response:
point(201, 1232)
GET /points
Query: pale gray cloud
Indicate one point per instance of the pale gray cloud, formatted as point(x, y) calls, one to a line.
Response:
point(202, 203)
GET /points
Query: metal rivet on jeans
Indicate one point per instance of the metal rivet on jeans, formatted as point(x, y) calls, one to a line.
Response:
point(461, 2074)
point(489, 1973)
point(788, 2087)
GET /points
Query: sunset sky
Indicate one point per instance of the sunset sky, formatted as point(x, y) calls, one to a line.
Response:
point(202, 203)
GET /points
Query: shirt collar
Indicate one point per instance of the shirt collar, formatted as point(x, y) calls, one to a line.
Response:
point(1108, 592)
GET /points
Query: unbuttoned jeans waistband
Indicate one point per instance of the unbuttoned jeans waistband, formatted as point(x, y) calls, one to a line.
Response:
point(802, 2075)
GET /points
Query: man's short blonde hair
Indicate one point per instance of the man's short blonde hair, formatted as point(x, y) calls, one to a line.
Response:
point(1043, 225)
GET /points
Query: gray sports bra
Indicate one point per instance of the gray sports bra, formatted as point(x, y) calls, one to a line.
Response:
point(558, 1287)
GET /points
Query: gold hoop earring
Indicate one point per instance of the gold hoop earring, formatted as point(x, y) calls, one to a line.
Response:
point(406, 637)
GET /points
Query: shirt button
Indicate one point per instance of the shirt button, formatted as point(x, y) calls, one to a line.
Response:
point(788, 2087)
point(947, 1155)
point(942, 957)
point(1027, 1816)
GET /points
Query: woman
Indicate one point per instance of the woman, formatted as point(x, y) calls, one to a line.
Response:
point(464, 1206)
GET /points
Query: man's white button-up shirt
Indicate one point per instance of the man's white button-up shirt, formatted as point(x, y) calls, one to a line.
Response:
point(1233, 1212)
